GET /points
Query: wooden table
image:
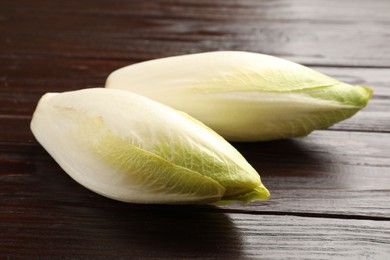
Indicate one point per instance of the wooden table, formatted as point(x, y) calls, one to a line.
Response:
point(330, 190)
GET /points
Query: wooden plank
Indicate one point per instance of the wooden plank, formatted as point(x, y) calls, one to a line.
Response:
point(74, 230)
point(26, 79)
point(218, 9)
point(316, 34)
point(328, 173)
point(307, 238)
point(325, 173)
point(329, 203)
point(330, 190)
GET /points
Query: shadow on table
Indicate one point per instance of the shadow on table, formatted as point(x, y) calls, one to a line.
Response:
point(299, 153)
point(288, 151)
point(297, 163)
point(169, 232)
point(96, 226)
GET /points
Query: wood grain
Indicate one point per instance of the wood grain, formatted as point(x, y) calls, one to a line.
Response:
point(138, 31)
point(154, 232)
point(328, 173)
point(329, 191)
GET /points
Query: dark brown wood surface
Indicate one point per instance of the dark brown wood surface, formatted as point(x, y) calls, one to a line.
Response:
point(330, 190)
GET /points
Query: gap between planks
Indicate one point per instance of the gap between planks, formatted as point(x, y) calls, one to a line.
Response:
point(304, 214)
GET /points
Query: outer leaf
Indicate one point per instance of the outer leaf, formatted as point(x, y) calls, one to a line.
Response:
point(245, 96)
point(127, 147)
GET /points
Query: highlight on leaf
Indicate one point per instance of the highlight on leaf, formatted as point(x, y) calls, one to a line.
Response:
point(130, 148)
point(245, 96)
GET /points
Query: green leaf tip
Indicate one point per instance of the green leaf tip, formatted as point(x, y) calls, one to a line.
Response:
point(258, 193)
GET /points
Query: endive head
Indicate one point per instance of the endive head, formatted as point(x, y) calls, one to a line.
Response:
point(130, 148)
point(245, 96)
